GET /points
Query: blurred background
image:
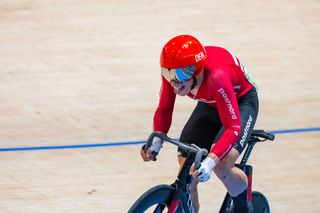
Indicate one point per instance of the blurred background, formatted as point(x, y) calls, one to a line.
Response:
point(76, 72)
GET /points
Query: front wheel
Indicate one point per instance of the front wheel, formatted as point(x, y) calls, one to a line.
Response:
point(260, 203)
point(155, 199)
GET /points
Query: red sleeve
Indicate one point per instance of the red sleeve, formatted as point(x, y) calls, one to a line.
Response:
point(163, 116)
point(228, 109)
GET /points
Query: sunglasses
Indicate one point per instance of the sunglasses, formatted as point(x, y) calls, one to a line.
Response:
point(178, 75)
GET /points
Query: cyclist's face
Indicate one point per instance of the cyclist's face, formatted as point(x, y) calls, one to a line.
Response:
point(180, 87)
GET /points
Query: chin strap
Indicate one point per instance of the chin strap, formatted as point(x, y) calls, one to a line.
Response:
point(194, 83)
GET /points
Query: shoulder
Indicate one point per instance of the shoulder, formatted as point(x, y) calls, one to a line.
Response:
point(217, 72)
point(215, 50)
point(219, 62)
point(217, 78)
point(218, 55)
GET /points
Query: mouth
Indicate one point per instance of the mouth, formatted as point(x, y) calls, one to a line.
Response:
point(179, 90)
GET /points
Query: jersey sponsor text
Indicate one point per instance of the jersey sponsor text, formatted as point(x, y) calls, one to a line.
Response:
point(246, 130)
point(228, 102)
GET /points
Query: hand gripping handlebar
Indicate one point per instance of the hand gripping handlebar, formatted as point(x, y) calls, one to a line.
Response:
point(189, 147)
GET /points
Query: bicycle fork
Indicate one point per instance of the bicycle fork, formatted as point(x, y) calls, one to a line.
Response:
point(188, 199)
point(182, 198)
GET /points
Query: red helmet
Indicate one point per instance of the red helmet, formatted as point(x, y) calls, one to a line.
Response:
point(184, 52)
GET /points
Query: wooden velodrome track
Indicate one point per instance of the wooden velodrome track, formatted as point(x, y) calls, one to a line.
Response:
point(87, 72)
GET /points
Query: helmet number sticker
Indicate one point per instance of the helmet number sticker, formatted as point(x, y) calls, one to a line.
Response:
point(199, 56)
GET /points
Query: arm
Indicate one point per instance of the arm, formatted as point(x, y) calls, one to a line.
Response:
point(162, 119)
point(229, 114)
point(163, 115)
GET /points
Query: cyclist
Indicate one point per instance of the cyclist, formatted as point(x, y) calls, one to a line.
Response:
point(225, 114)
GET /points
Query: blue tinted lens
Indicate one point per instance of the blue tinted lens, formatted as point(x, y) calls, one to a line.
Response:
point(184, 74)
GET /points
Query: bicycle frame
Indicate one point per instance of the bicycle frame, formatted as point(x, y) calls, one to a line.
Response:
point(181, 186)
point(181, 197)
point(183, 179)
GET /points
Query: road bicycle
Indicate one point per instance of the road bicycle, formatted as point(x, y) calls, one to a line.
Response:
point(176, 198)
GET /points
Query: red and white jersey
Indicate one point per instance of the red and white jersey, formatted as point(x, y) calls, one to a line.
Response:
point(225, 81)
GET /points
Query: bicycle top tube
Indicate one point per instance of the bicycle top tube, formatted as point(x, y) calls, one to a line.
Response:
point(189, 147)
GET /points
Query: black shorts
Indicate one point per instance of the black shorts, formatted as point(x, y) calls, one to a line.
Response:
point(204, 126)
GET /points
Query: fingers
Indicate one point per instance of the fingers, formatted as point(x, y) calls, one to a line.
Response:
point(149, 155)
point(148, 152)
point(194, 173)
point(199, 174)
point(146, 156)
point(143, 155)
point(202, 178)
